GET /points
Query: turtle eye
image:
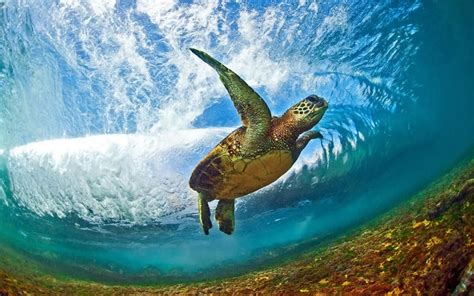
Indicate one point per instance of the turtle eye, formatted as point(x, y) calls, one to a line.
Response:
point(316, 100)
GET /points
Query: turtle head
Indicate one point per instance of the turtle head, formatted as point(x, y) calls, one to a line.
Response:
point(307, 113)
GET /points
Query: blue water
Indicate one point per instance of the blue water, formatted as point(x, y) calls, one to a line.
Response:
point(104, 113)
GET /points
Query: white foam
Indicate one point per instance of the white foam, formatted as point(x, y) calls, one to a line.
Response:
point(128, 178)
point(195, 25)
point(254, 62)
point(131, 81)
point(99, 7)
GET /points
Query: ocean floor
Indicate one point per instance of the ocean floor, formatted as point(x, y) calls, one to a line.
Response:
point(423, 247)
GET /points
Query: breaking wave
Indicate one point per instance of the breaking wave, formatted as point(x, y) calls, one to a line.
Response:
point(104, 112)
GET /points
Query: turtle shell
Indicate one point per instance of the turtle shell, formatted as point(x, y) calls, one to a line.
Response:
point(226, 173)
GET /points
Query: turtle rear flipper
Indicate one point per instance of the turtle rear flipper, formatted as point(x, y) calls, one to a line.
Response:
point(204, 213)
point(253, 110)
point(225, 216)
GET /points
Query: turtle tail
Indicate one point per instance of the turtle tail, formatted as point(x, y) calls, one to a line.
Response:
point(210, 61)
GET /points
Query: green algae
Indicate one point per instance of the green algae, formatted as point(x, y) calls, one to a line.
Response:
point(423, 246)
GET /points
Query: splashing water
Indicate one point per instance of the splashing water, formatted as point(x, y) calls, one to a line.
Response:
point(104, 113)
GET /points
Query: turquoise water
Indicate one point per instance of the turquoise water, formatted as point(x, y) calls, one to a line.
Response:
point(104, 113)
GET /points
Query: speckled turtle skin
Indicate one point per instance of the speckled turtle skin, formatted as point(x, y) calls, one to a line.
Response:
point(255, 154)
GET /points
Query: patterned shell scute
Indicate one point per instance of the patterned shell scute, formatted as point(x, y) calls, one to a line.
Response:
point(227, 174)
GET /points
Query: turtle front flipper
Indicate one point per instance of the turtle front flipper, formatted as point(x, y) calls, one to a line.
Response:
point(252, 109)
point(225, 216)
point(304, 139)
point(204, 213)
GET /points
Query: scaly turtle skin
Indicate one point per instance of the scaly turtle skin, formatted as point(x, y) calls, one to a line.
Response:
point(254, 155)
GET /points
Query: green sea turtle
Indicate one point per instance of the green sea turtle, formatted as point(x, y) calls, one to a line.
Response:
point(254, 155)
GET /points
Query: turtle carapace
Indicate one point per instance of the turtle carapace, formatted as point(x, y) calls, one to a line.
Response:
point(254, 155)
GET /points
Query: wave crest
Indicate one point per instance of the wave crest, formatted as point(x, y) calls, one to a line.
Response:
point(114, 178)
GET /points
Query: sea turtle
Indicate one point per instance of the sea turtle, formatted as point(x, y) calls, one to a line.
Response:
point(255, 154)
